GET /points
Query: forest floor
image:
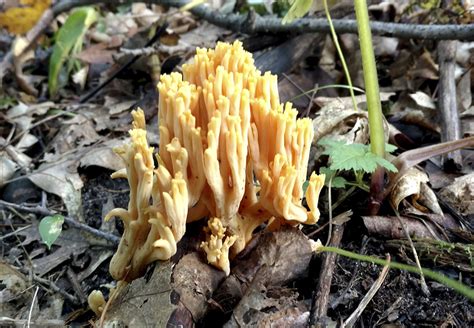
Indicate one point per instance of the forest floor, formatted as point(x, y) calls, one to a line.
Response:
point(58, 132)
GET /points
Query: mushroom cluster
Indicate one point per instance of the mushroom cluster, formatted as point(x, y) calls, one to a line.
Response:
point(229, 151)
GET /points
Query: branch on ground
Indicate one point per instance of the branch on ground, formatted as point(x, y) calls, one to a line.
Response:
point(253, 23)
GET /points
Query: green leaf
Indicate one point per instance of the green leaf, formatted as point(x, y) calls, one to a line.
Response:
point(357, 157)
point(69, 39)
point(7, 101)
point(50, 228)
point(337, 182)
point(389, 148)
point(298, 9)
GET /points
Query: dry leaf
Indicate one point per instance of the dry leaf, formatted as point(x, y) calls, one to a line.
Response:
point(463, 91)
point(413, 184)
point(14, 289)
point(104, 156)
point(7, 168)
point(21, 18)
point(460, 194)
point(423, 100)
point(80, 77)
point(99, 53)
point(61, 179)
point(337, 117)
point(144, 16)
point(287, 310)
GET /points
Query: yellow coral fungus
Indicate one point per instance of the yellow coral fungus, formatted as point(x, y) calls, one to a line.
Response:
point(228, 150)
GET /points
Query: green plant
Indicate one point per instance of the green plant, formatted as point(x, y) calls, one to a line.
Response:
point(377, 135)
point(68, 41)
point(357, 158)
point(456, 285)
point(50, 228)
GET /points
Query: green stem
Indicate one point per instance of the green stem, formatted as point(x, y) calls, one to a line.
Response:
point(341, 55)
point(377, 139)
point(456, 285)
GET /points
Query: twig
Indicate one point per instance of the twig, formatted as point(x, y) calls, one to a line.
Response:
point(253, 23)
point(32, 306)
point(449, 116)
point(11, 322)
point(76, 285)
point(51, 285)
point(318, 315)
point(351, 320)
point(70, 221)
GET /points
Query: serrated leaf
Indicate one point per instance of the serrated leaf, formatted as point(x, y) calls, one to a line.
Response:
point(298, 9)
point(68, 39)
point(389, 148)
point(50, 228)
point(357, 157)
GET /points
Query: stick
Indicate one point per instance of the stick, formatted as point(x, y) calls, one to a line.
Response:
point(449, 116)
point(253, 23)
point(70, 221)
point(318, 315)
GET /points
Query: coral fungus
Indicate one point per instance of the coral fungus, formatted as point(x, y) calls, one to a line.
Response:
point(229, 151)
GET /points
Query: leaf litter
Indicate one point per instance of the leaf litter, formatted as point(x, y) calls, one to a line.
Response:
point(70, 156)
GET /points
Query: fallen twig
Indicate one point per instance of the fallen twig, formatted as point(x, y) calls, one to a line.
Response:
point(318, 316)
point(70, 221)
point(351, 320)
point(51, 285)
point(449, 115)
point(253, 23)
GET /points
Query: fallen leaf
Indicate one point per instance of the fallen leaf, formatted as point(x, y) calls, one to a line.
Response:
point(413, 184)
point(463, 91)
point(337, 117)
point(104, 156)
point(7, 168)
point(14, 290)
point(80, 77)
point(61, 179)
point(97, 54)
point(423, 100)
point(460, 194)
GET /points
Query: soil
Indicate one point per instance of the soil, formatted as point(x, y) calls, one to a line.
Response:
point(400, 301)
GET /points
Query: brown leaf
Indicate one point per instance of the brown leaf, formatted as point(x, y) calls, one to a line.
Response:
point(97, 54)
point(276, 257)
point(460, 194)
point(413, 184)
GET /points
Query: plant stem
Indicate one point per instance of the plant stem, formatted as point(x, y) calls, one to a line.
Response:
point(377, 139)
point(456, 285)
point(341, 55)
point(377, 136)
